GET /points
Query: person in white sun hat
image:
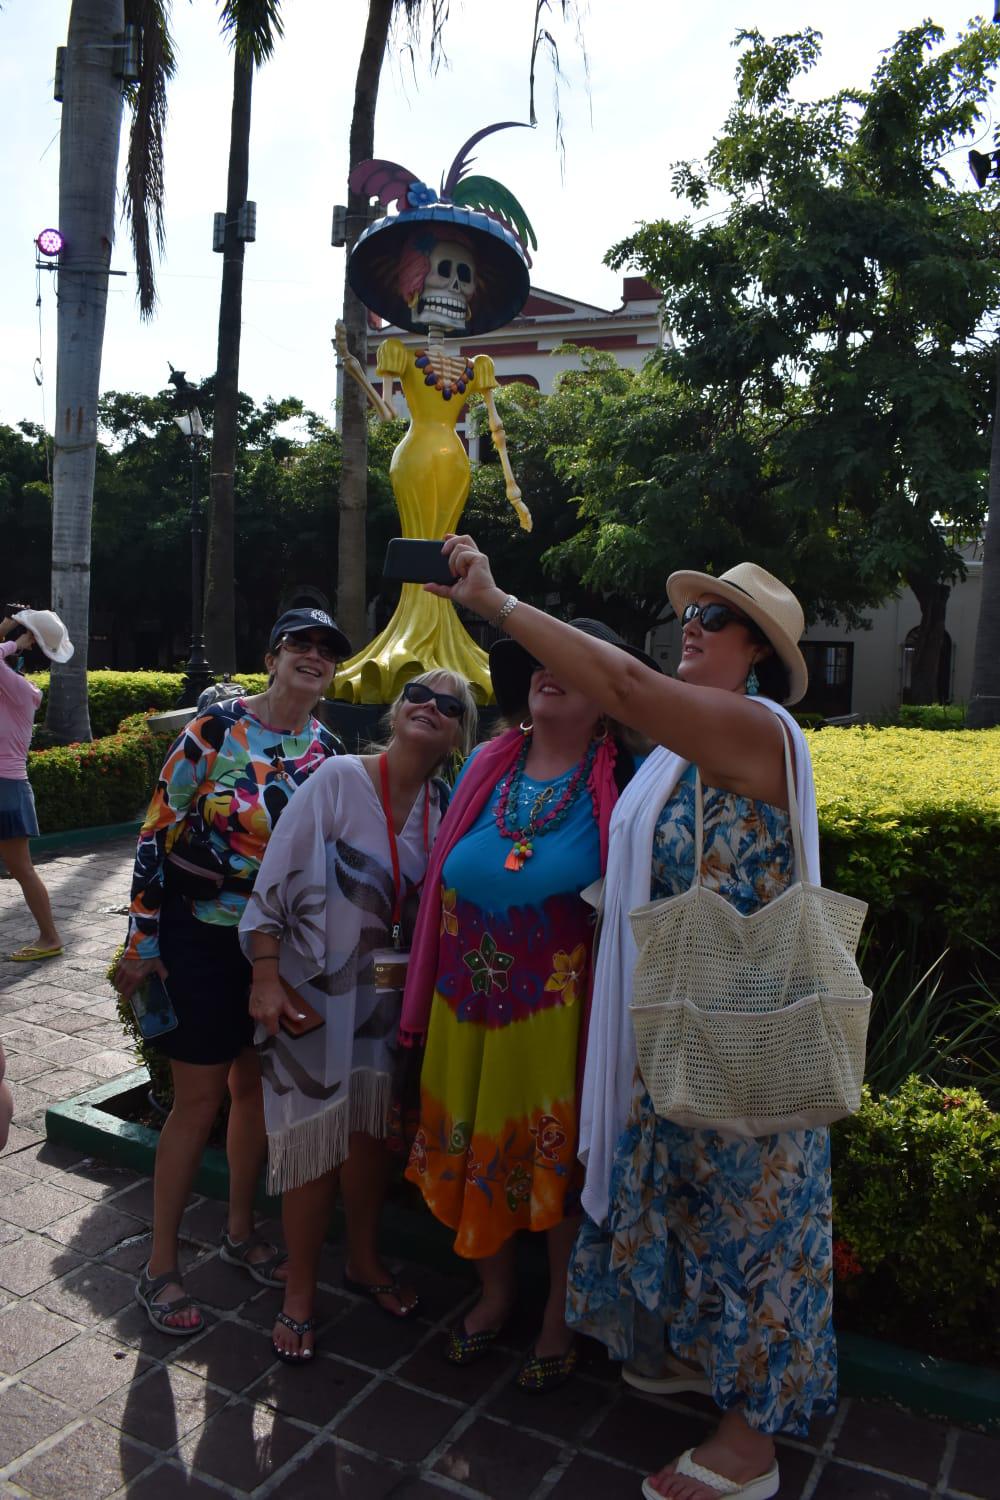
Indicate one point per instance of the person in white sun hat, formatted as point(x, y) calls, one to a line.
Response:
point(705, 1261)
point(19, 699)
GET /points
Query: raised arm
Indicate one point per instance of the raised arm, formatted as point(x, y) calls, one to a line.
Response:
point(736, 744)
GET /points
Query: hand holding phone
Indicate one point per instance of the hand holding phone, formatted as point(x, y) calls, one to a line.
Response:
point(153, 1008)
point(416, 560)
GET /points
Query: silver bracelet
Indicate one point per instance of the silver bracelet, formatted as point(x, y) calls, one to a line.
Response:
point(509, 604)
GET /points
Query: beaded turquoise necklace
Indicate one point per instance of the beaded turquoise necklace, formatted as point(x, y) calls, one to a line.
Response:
point(538, 822)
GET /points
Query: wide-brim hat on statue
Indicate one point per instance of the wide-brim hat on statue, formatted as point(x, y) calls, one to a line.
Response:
point(468, 208)
point(511, 665)
point(51, 635)
point(764, 599)
point(502, 277)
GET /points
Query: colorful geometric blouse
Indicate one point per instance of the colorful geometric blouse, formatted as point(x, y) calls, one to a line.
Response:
point(225, 783)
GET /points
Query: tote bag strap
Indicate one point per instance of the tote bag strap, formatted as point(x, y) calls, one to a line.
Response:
point(793, 815)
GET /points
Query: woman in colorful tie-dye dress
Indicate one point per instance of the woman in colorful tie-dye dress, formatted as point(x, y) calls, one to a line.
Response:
point(506, 1000)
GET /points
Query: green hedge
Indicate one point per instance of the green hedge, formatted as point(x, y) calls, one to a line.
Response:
point(932, 715)
point(106, 781)
point(916, 1184)
point(910, 822)
point(115, 695)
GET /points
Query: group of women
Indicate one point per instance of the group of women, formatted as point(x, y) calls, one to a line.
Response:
point(379, 927)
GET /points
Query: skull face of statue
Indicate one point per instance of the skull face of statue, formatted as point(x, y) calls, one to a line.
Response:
point(448, 287)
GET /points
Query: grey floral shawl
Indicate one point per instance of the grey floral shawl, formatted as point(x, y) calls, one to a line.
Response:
point(325, 891)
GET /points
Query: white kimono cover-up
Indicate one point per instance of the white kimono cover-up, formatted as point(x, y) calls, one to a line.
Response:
point(325, 891)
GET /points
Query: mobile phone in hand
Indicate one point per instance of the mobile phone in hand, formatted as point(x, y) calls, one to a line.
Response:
point(414, 560)
point(311, 1018)
point(153, 1009)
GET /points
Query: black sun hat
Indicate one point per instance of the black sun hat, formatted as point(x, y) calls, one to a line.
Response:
point(296, 621)
point(511, 665)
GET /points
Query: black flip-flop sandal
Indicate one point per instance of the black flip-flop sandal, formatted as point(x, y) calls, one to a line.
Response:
point(304, 1356)
point(375, 1290)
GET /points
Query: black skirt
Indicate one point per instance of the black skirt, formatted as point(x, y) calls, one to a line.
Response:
point(208, 981)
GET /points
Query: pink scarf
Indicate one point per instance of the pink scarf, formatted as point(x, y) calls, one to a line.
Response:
point(479, 780)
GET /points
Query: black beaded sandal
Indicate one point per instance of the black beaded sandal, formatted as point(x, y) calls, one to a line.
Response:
point(539, 1374)
point(375, 1290)
point(287, 1357)
point(463, 1348)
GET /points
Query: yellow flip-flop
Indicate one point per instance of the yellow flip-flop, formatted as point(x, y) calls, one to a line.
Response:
point(30, 953)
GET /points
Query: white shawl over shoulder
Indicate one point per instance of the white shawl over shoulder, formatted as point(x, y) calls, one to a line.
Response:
point(610, 1063)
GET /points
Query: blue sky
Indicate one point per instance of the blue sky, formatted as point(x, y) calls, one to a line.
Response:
point(661, 80)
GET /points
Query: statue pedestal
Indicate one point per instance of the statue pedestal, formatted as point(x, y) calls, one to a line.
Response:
point(424, 633)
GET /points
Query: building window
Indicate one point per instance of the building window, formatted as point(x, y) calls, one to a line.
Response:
point(831, 675)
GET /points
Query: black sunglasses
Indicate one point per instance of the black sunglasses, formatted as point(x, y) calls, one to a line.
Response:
point(300, 644)
point(714, 617)
point(445, 703)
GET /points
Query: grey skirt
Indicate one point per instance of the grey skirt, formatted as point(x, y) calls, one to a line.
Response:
point(17, 810)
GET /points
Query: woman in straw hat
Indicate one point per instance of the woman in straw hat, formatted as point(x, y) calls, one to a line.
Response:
point(19, 701)
point(705, 1261)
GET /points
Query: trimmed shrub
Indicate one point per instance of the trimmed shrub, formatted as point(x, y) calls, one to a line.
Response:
point(916, 1183)
point(932, 715)
point(106, 781)
point(115, 695)
point(910, 822)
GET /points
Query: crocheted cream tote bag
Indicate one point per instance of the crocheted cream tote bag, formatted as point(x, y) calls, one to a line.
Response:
point(751, 1024)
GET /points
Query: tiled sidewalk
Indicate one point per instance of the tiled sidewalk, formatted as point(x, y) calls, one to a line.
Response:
point(95, 1403)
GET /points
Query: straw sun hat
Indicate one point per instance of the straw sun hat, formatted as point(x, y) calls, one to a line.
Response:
point(50, 633)
point(762, 598)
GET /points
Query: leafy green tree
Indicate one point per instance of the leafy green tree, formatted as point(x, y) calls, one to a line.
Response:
point(829, 400)
point(25, 516)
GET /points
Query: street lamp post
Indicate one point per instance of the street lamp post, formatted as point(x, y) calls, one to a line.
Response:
point(199, 674)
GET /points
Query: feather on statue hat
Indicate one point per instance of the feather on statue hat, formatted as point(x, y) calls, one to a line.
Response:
point(478, 209)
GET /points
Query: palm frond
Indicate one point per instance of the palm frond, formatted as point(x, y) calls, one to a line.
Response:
point(493, 198)
point(144, 192)
point(462, 162)
point(253, 27)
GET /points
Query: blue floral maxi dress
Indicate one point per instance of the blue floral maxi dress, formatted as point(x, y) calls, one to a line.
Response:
point(718, 1246)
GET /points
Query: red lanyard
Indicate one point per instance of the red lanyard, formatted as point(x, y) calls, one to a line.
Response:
point(397, 882)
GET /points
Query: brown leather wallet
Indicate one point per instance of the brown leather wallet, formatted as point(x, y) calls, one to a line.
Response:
point(312, 1020)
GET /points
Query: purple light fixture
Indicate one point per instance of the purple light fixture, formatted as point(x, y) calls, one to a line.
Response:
point(49, 242)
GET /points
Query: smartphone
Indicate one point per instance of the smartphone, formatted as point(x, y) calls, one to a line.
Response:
point(413, 560)
point(312, 1020)
point(153, 1009)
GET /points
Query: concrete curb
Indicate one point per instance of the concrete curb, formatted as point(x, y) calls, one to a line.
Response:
point(968, 1394)
point(71, 838)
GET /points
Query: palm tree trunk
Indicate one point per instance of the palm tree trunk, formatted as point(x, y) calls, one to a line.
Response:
point(88, 162)
point(984, 701)
point(351, 544)
point(220, 587)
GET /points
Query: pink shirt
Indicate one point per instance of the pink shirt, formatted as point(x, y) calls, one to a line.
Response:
point(19, 700)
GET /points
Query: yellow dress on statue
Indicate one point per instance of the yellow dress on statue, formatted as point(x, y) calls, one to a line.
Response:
point(430, 478)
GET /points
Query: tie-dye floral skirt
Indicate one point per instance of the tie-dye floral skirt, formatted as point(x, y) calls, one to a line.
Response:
point(496, 1148)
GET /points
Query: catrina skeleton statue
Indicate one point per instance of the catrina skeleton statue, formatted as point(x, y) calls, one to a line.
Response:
point(446, 264)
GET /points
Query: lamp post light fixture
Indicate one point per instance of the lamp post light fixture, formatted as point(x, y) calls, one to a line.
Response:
point(198, 675)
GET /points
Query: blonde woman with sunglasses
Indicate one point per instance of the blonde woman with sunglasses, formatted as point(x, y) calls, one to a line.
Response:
point(340, 881)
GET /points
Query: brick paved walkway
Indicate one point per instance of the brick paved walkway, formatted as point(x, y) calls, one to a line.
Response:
point(95, 1403)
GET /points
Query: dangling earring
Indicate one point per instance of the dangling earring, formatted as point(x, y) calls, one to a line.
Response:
point(752, 682)
point(526, 727)
point(601, 730)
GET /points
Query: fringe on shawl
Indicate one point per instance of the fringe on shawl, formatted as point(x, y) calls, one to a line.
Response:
point(303, 1152)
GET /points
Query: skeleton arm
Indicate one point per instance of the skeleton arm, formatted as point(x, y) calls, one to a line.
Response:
point(352, 366)
point(500, 444)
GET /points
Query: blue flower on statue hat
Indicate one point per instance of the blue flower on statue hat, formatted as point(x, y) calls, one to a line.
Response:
point(419, 195)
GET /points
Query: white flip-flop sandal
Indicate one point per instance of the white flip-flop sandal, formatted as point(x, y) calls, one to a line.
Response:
point(674, 1383)
point(761, 1488)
